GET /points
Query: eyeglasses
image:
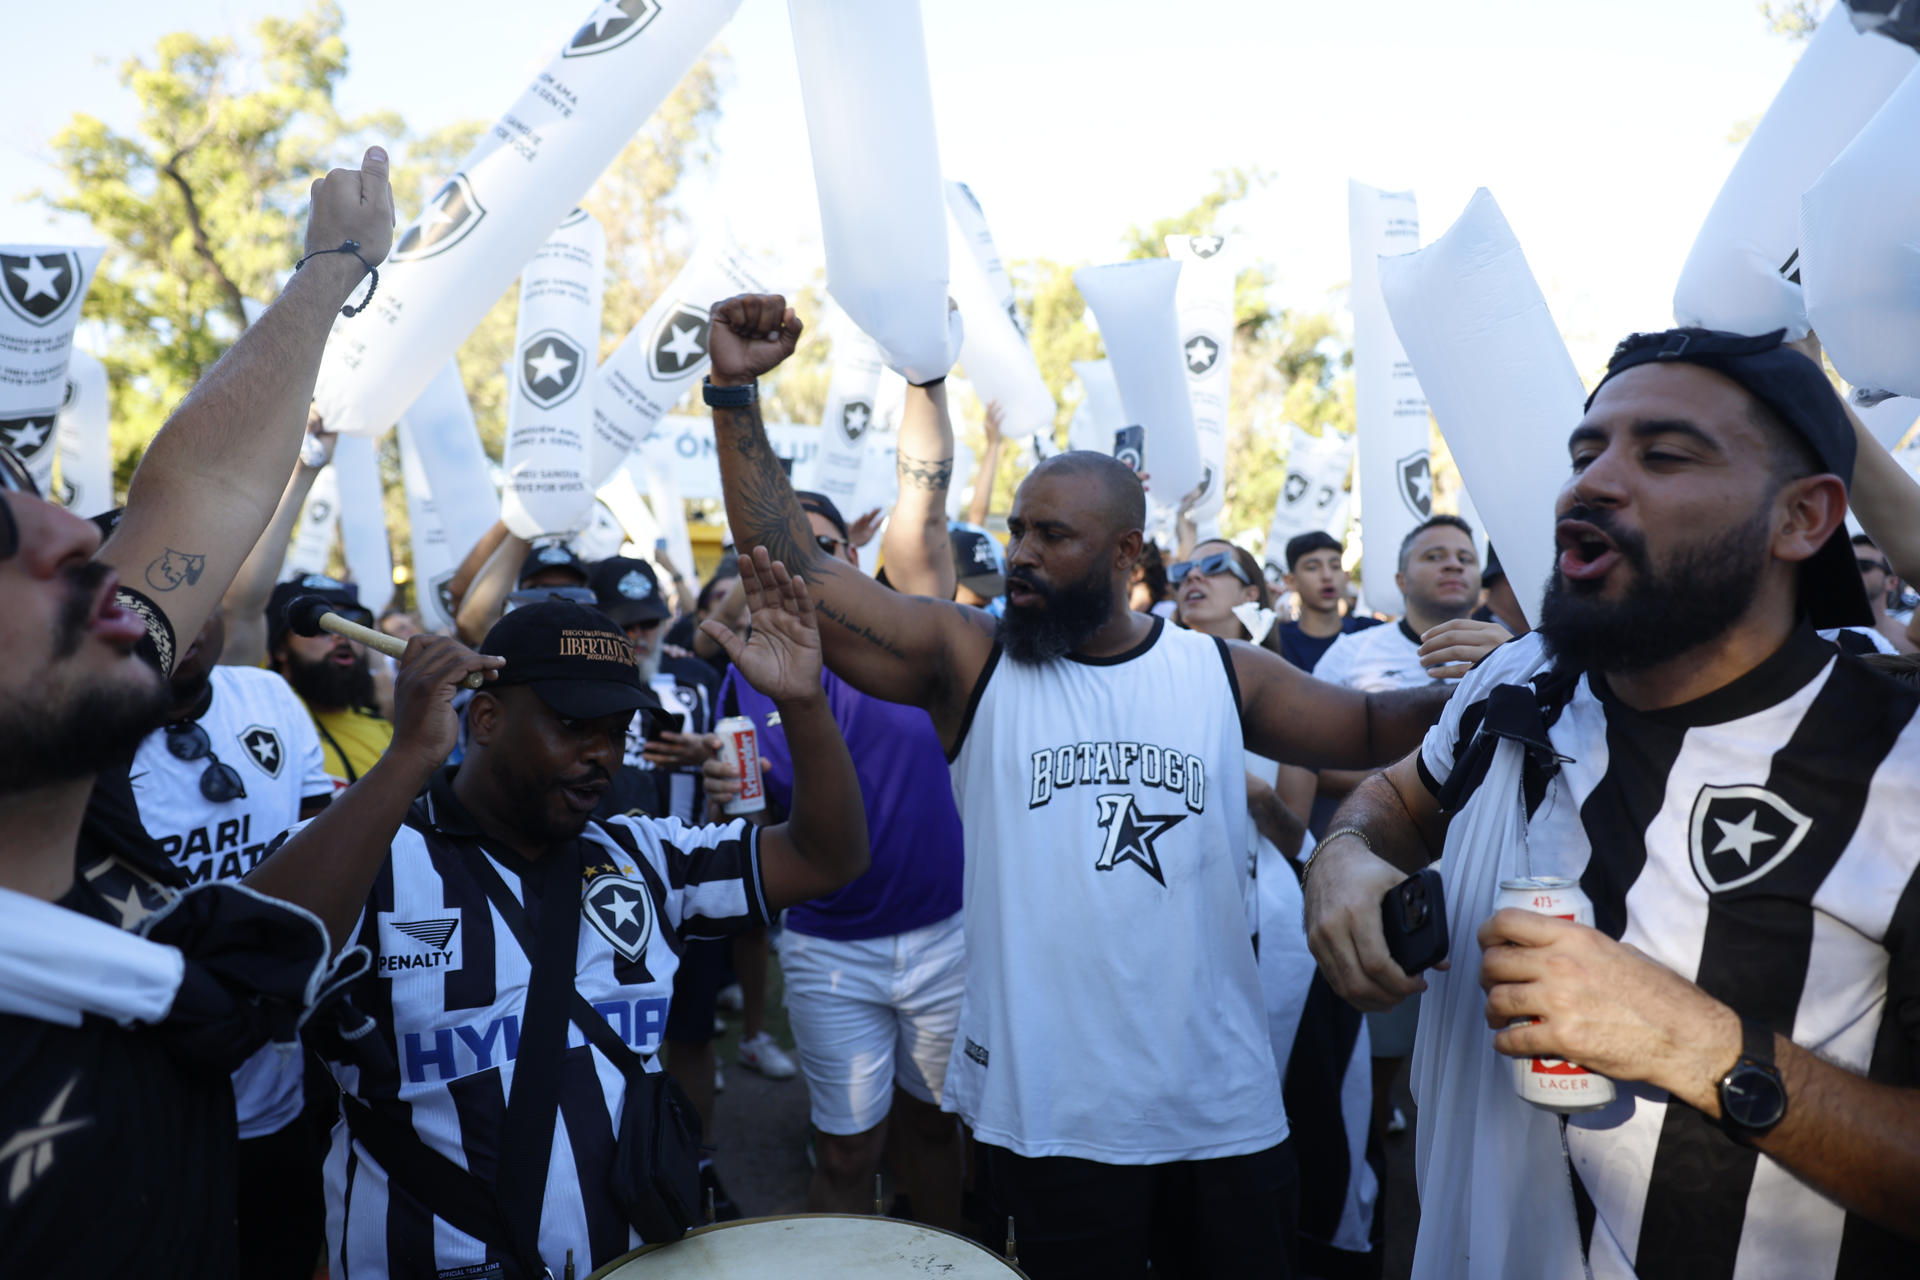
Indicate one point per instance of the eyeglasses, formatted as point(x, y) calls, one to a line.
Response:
point(829, 545)
point(540, 595)
point(1874, 565)
point(219, 783)
point(1208, 566)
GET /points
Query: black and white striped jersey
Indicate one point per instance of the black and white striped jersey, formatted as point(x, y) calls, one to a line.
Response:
point(1759, 842)
point(446, 994)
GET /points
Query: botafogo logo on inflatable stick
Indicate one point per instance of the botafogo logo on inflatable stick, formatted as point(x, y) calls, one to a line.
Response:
point(550, 403)
point(41, 286)
point(433, 559)
point(998, 360)
point(453, 471)
point(853, 397)
point(1134, 303)
point(363, 520)
point(666, 353)
point(1389, 409)
point(456, 258)
point(1205, 301)
point(876, 168)
point(1313, 496)
point(1744, 271)
point(85, 484)
point(1503, 388)
point(311, 547)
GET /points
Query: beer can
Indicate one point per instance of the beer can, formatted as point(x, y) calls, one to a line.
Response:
point(1550, 1083)
point(740, 749)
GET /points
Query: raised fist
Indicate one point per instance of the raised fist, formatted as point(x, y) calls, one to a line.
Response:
point(353, 204)
point(749, 335)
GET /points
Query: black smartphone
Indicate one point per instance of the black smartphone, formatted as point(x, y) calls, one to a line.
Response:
point(659, 722)
point(1130, 446)
point(1414, 914)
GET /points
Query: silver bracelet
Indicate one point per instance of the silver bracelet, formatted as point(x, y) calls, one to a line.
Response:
point(1328, 839)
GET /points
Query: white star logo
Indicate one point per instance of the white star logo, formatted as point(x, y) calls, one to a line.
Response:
point(438, 213)
point(857, 419)
point(608, 11)
point(1199, 353)
point(685, 347)
point(132, 910)
point(28, 436)
point(619, 910)
point(551, 367)
point(1741, 836)
point(1422, 482)
point(38, 278)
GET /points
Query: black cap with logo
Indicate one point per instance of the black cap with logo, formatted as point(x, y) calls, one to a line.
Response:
point(628, 591)
point(1797, 392)
point(574, 657)
point(978, 563)
point(342, 597)
point(554, 555)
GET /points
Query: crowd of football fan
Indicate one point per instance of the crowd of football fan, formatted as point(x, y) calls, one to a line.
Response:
point(281, 919)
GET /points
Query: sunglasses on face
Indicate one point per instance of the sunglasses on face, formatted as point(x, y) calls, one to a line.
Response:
point(1208, 566)
point(219, 783)
point(540, 595)
point(829, 545)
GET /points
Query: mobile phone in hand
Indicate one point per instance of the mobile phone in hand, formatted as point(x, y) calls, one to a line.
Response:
point(1130, 446)
point(1414, 915)
point(660, 722)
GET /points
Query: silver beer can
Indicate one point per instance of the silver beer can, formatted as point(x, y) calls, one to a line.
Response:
point(741, 750)
point(1551, 1083)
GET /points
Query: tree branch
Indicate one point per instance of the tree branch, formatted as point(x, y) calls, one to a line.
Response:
point(202, 246)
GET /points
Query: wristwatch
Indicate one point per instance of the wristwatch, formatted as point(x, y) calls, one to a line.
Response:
point(1753, 1098)
point(737, 397)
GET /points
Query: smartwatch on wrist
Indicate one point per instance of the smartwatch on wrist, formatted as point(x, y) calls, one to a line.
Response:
point(729, 397)
point(1753, 1098)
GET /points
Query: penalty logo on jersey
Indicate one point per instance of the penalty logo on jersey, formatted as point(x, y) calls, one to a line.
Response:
point(429, 943)
point(621, 910)
point(1738, 834)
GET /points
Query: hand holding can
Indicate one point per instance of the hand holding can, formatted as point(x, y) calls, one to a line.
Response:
point(740, 755)
point(1551, 1083)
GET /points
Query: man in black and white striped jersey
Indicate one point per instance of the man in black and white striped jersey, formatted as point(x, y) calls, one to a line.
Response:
point(1737, 800)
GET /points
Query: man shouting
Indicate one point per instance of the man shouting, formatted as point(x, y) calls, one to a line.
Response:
point(1112, 1055)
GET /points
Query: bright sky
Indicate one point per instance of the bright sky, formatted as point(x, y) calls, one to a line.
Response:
point(1600, 125)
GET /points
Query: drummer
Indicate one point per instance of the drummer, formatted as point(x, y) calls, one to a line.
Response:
point(440, 872)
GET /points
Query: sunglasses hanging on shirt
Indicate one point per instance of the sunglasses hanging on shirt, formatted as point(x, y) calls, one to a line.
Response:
point(220, 783)
point(14, 478)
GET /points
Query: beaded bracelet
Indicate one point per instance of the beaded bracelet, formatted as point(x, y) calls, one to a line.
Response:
point(352, 247)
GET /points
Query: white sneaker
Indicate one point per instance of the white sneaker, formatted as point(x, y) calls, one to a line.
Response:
point(766, 1057)
point(731, 998)
point(719, 1077)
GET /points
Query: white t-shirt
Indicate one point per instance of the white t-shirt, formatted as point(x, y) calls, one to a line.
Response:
point(1113, 1009)
point(1375, 660)
point(257, 725)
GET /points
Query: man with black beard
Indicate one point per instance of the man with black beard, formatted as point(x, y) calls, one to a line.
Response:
point(1736, 799)
point(331, 675)
point(1112, 1055)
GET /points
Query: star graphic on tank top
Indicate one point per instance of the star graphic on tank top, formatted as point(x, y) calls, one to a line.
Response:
point(1131, 835)
point(1741, 836)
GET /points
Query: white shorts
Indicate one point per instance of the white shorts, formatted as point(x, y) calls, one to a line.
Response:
point(871, 1014)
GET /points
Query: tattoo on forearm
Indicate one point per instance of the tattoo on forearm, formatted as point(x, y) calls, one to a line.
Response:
point(768, 514)
point(860, 629)
point(175, 569)
point(932, 474)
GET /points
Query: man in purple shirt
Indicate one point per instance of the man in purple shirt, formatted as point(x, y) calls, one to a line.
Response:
point(874, 972)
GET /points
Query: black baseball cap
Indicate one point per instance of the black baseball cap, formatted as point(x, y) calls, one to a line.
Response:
point(1796, 391)
point(344, 597)
point(555, 555)
point(819, 504)
point(1491, 572)
point(1305, 544)
point(979, 564)
point(627, 590)
point(574, 657)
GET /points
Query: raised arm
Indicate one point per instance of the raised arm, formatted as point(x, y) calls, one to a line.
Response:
point(1289, 716)
point(915, 549)
point(823, 843)
point(476, 558)
point(485, 599)
point(902, 648)
point(210, 480)
point(982, 500)
point(245, 604)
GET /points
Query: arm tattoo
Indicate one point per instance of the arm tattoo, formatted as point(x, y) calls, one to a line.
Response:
point(761, 507)
point(931, 474)
point(860, 629)
point(175, 569)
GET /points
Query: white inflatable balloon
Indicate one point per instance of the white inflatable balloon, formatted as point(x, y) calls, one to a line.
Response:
point(86, 447)
point(876, 168)
point(550, 398)
point(666, 353)
point(1889, 420)
point(310, 548)
point(1100, 413)
point(41, 288)
point(853, 403)
point(363, 520)
point(1389, 409)
point(1744, 270)
point(1314, 494)
point(668, 507)
point(453, 261)
point(1139, 322)
point(620, 496)
point(455, 474)
point(999, 362)
point(1504, 389)
point(685, 445)
point(434, 560)
point(1860, 251)
point(1205, 299)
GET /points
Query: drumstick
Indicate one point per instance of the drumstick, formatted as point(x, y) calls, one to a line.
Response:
point(310, 615)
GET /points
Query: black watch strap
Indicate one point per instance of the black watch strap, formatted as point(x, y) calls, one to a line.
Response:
point(729, 397)
point(1753, 1097)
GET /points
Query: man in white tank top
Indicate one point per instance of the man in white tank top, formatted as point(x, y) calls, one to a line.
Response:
point(1112, 1055)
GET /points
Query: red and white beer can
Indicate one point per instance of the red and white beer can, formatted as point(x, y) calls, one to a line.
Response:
point(741, 750)
point(1550, 1083)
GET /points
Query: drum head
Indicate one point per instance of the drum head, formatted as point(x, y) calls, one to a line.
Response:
point(812, 1246)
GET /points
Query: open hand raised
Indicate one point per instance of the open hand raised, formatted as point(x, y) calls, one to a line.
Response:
point(780, 652)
